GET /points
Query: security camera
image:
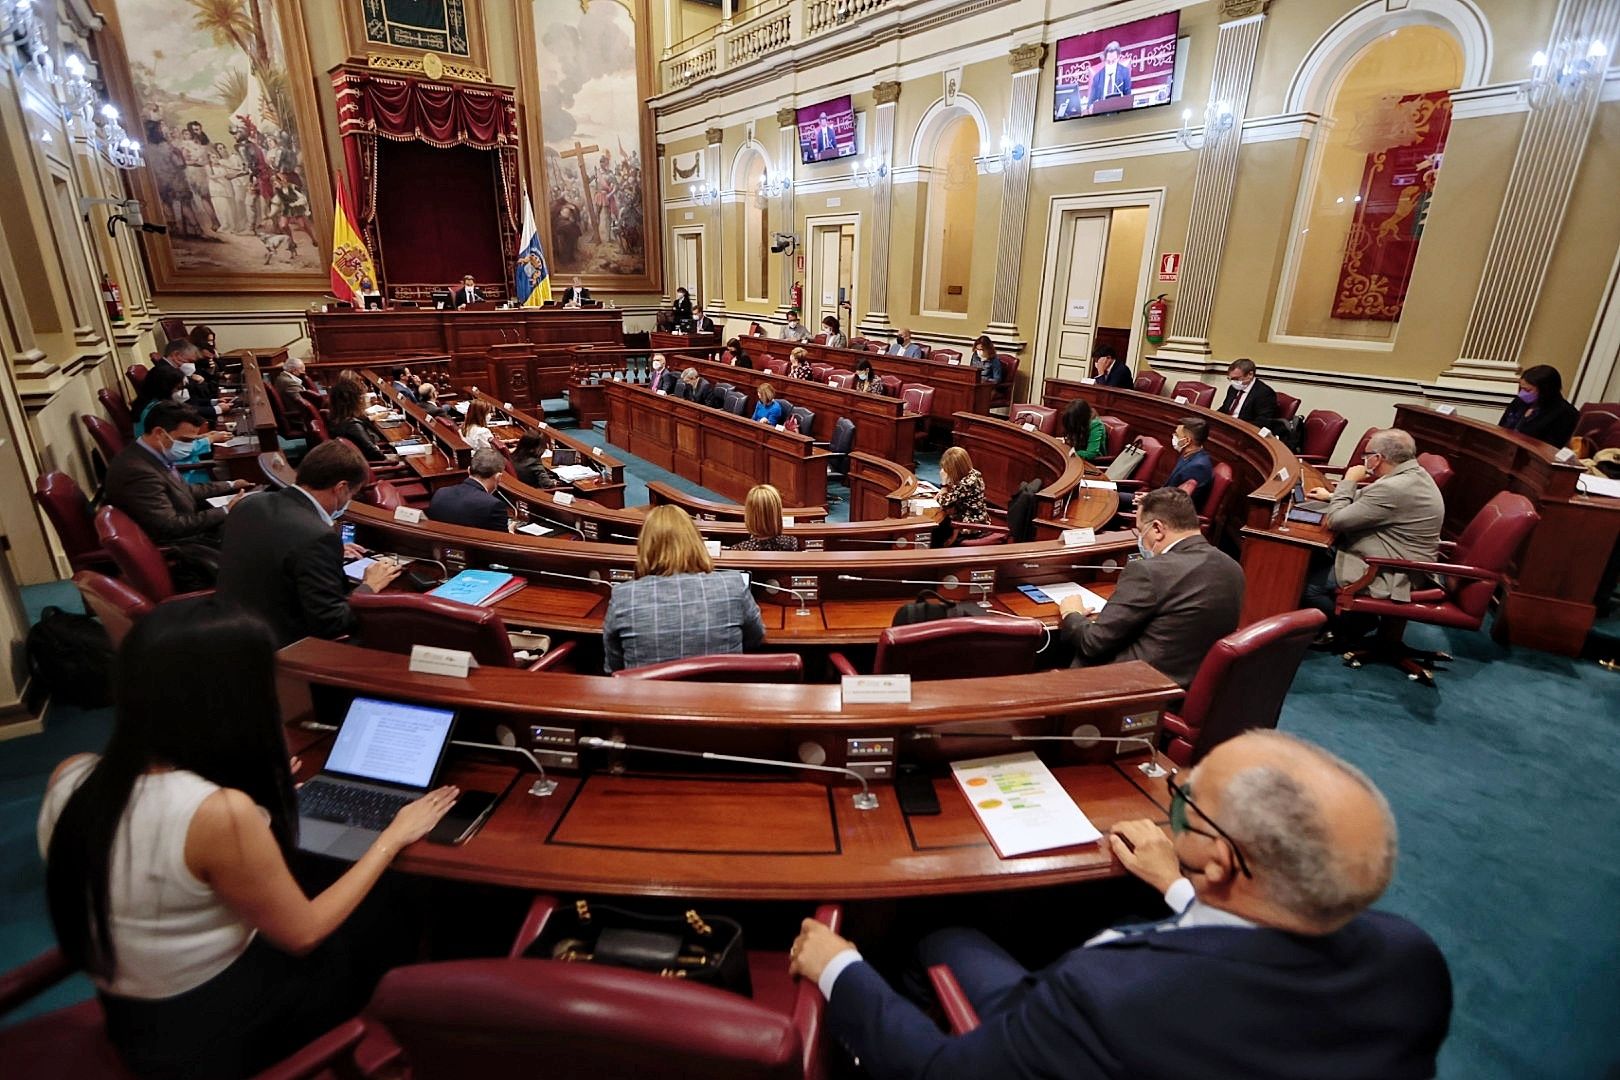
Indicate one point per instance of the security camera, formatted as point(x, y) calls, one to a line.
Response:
point(783, 242)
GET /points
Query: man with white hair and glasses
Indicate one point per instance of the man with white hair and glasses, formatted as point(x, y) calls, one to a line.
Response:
point(1271, 964)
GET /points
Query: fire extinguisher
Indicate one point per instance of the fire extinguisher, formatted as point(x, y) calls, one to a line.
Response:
point(111, 297)
point(796, 297)
point(1155, 313)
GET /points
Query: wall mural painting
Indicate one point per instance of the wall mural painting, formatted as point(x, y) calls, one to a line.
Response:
point(234, 164)
point(596, 191)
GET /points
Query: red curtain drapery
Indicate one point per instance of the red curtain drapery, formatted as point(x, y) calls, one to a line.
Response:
point(372, 105)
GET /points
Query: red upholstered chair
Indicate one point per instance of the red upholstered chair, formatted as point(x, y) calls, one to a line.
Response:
point(173, 329)
point(140, 561)
point(725, 667)
point(290, 425)
point(1195, 392)
point(819, 339)
point(1240, 684)
point(819, 372)
point(526, 1018)
point(1477, 564)
point(841, 378)
point(1116, 433)
point(105, 436)
point(1334, 471)
point(118, 410)
point(1322, 430)
point(776, 365)
point(1220, 490)
point(1596, 418)
point(1147, 472)
point(63, 501)
point(918, 397)
point(891, 385)
point(1287, 406)
point(1438, 468)
point(118, 606)
point(1149, 382)
point(397, 622)
point(1602, 434)
point(136, 374)
point(392, 492)
point(1009, 381)
point(947, 356)
point(960, 1015)
point(1043, 417)
point(954, 649)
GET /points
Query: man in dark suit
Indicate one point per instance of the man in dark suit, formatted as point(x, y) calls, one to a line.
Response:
point(575, 293)
point(144, 483)
point(701, 323)
point(1112, 79)
point(282, 558)
point(469, 293)
point(661, 377)
point(1111, 370)
point(182, 355)
point(472, 502)
point(1247, 398)
point(1270, 966)
point(1169, 606)
point(1193, 463)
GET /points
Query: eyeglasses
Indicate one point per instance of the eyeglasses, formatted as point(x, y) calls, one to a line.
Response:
point(1180, 799)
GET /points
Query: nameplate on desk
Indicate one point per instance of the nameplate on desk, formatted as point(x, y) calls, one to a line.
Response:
point(781, 427)
point(543, 426)
point(1029, 427)
point(662, 393)
point(428, 660)
point(596, 451)
point(1265, 433)
point(713, 547)
point(562, 498)
point(787, 521)
point(1089, 382)
point(1445, 410)
point(1181, 400)
point(955, 361)
point(1565, 454)
point(877, 689)
point(1282, 474)
point(407, 514)
point(1100, 485)
point(1079, 537)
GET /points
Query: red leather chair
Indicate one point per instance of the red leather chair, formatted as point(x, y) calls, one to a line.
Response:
point(776, 365)
point(63, 501)
point(1355, 455)
point(819, 339)
point(947, 356)
point(726, 667)
point(136, 374)
point(891, 385)
point(173, 329)
point(918, 397)
point(1043, 417)
point(1149, 382)
point(963, 648)
point(1240, 684)
point(1322, 430)
point(1481, 560)
point(391, 492)
point(1009, 382)
point(118, 606)
point(1220, 490)
point(819, 372)
point(1147, 473)
point(1195, 393)
point(1287, 406)
point(118, 410)
point(840, 378)
point(865, 344)
point(105, 436)
point(1595, 420)
point(289, 424)
point(397, 622)
point(1116, 433)
point(1438, 468)
point(140, 562)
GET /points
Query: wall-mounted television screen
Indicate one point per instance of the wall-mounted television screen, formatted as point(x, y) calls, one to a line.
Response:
point(1124, 67)
point(827, 130)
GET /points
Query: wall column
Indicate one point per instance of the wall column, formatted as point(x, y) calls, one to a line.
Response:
point(886, 95)
point(1026, 63)
point(787, 159)
point(1213, 181)
point(1538, 189)
point(715, 255)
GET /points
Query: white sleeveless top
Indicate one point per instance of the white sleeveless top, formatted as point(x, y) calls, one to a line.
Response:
point(171, 932)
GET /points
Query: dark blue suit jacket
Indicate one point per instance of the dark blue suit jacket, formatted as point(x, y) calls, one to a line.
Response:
point(467, 503)
point(1198, 467)
point(1119, 374)
point(1370, 1001)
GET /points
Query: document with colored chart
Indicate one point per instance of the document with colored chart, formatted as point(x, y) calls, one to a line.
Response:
point(1021, 805)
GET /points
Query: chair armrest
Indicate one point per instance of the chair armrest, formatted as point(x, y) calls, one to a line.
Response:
point(841, 664)
point(1175, 725)
point(534, 924)
point(1313, 459)
point(809, 1007)
point(959, 1012)
point(554, 657)
point(331, 1054)
point(32, 978)
point(1435, 569)
point(199, 594)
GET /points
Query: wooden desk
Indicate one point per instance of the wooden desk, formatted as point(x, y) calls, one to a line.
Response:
point(662, 341)
point(721, 451)
point(447, 462)
point(882, 425)
point(660, 493)
point(1552, 602)
point(254, 417)
point(957, 388)
point(659, 830)
point(523, 376)
point(607, 491)
point(878, 488)
point(1009, 454)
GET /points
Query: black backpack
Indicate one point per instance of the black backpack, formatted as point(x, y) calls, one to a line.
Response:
point(70, 658)
point(929, 606)
point(1021, 513)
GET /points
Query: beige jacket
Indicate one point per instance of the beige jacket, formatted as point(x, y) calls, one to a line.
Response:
point(1397, 516)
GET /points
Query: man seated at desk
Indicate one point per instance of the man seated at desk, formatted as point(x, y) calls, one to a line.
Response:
point(282, 558)
point(469, 293)
point(1171, 605)
point(793, 329)
point(904, 346)
point(1110, 370)
point(472, 502)
point(576, 294)
point(660, 377)
point(701, 323)
point(1270, 965)
point(292, 380)
point(1195, 470)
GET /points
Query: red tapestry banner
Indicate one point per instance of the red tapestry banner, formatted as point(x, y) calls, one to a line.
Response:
point(1397, 184)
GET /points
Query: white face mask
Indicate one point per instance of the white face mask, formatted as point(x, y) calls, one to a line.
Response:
point(180, 395)
point(658, 365)
point(188, 370)
point(1178, 442)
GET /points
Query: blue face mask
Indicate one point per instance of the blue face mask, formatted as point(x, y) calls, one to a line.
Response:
point(180, 449)
point(1528, 396)
point(340, 511)
point(1141, 545)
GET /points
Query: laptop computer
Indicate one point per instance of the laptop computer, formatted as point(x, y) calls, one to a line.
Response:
point(1303, 503)
point(386, 754)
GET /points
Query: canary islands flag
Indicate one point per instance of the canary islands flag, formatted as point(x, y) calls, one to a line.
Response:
point(353, 273)
point(533, 278)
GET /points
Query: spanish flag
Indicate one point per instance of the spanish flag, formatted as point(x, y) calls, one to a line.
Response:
point(353, 272)
point(533, 278)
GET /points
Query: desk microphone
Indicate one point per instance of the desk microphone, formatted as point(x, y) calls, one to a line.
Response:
point(863, 800)
point(949, 583)
point(897, 542)
point(804, 604)
point(542, 787)
point(549, 521)
point(573, 577)
point(1084, 736)
point(1111, 568)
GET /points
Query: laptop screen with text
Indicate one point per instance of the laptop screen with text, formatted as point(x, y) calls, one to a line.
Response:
point(391, 742)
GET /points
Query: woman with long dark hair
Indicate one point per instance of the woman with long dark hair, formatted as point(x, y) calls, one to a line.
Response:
point(1540, 410)
point(167, 860)
point(346, 405)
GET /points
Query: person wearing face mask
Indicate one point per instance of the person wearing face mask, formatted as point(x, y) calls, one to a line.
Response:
point(282, 558)
point(1170, 606)
point(144, 482)
point(1539, 409)
point(681, 310)
point(986, 359)
point(904, 346)
point(836, 338)
point(1247, 398)
point(1195, 471)
point(793, 329)
point(181, 355)
point(661, 378)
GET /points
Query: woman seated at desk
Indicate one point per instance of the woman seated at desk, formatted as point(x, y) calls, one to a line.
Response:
point(799, 364)
point(678, 605)
point(961, 493)
point(475, 427)
point(769, 410)
point(1540, 410)
point(836, 338)
point(346, 406)
point(167, 862)
point(866, 380)
point(527, 463)
point(735, 356)
point(1083, 431)
point(762, 514)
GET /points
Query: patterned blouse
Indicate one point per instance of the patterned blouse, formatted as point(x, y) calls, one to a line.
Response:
point(799, 369)
point(767, 543)
point(874, 385)
point(964, 500)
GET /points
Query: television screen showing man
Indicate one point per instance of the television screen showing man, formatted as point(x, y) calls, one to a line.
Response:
point(826, 130)
point(1129, 66)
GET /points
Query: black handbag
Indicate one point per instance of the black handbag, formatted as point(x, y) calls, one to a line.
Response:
point(704, 949)
point(929, 606)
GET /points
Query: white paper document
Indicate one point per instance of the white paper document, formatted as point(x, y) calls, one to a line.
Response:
point(1059, 591)
point(573, 474)
point(529, 528)
point(220, 502)
point(413, 451)
point(1021, 805)
point(242, 441)
point(1598, 485)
